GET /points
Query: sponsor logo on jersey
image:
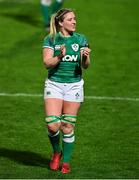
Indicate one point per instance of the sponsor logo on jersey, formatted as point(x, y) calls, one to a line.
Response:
point(70, 58)
point(57, 47)
point(75, 47)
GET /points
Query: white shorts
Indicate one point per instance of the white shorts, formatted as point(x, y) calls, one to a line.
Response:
point(72, 92)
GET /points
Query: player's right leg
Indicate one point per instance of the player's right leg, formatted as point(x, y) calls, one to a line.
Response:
point(53, 95)
point(57, 5)
point(45, 8)
point(53, 112)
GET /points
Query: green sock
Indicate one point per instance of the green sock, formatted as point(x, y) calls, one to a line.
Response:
point(68, 142)
point(45, 12)
point(55, 141)
point(57, 5)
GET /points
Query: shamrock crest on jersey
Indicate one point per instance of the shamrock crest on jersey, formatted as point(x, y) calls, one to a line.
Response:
point(75, 47)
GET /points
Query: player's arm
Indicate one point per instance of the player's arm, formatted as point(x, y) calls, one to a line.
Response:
point(85, 54)
point(49, 60)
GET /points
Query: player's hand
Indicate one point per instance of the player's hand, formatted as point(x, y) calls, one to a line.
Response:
point(63, 50)
point(86, 51)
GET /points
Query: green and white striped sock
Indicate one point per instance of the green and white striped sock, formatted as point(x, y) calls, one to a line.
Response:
point(68, 142)
point(55, 141)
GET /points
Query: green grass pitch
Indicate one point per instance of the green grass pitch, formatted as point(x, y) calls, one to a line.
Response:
point(107, 131)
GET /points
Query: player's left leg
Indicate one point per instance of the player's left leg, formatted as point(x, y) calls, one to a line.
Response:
point(68, 121)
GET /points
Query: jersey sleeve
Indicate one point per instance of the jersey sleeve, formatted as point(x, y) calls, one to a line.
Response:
point(48, 42)
point(83, 42)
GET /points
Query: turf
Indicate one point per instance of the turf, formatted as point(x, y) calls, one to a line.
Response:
point(107, 130)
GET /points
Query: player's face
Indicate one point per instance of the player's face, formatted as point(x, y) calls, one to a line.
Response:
point(69, 22)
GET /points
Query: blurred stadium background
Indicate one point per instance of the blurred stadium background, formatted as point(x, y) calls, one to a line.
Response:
point(107, 131)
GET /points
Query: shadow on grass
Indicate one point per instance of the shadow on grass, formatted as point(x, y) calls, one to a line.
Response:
point(25, 157)
point(25, 18)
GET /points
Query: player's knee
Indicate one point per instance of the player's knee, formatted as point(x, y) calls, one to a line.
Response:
point(66, 128)
point(53, 123)
point(69, 119)
point(67, 123)
point(53, 127)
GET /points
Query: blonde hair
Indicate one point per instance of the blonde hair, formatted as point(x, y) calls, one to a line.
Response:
point(53, 30)
point(56, 18)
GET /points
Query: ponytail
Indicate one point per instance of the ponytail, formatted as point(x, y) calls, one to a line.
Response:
point(53, 28)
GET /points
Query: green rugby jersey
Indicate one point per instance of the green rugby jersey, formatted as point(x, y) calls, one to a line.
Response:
point(68, 70)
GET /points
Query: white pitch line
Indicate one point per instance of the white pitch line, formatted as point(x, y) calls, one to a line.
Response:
point(86, 97)
point(21, 94)
point(112, 98)
point(19, 1)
